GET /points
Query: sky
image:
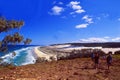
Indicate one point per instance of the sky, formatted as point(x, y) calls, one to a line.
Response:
point(63, 21)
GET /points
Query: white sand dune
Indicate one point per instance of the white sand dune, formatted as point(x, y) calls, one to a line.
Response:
point(80, 48)
point(70, 48)
point(113, 50)
point(106, 50)
point(59, 46)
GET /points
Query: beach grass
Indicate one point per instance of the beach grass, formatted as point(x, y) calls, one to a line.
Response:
point(117, 56)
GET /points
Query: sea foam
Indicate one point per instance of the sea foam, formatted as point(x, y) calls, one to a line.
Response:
point(23, 56)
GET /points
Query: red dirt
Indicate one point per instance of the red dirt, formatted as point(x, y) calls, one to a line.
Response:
point(74, 69)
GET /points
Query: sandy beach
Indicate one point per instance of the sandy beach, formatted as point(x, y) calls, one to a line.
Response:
point(40, 54)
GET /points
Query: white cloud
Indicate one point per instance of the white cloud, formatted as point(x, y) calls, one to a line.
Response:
point(87, 19)
point(56, 10)
point(118, 19)
point(116, 39)
point(107, 37)
point(76, 6)
point(73, 16)
point(102, 16)
point(105, 15)
point(103, 39)
point(74, 3)
point(61, 3)
point(80, 11)
point(94, 39)
point(54, 2)
point(72, 12)
point(77, 11)
point(81, 26)
point(64, 17)
point(98, 18)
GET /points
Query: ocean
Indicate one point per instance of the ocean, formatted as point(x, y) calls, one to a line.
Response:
point(24, 55)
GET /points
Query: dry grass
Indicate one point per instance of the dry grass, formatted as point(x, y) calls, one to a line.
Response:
point(116, 56)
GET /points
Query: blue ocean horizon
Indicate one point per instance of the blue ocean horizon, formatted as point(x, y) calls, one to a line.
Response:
point(24, 55)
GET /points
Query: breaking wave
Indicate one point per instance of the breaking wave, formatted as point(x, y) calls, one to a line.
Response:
point(23, 56)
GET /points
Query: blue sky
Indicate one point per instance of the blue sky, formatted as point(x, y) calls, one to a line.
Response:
point(61, 21)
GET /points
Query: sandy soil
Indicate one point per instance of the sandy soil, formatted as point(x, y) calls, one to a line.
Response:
point(74, 69)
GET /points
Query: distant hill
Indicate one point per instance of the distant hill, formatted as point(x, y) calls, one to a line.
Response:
point(104, 44)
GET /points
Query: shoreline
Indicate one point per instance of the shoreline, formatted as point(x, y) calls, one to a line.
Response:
point(47, 55)
point(44, 56)
point(38, 52)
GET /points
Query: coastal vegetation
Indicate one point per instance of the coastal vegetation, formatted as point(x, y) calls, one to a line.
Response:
point(11, 37)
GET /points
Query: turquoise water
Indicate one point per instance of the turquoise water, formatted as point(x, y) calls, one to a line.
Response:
point(24, 55)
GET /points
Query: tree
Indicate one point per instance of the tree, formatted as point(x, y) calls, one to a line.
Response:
point(11, 39)
point(27, 41)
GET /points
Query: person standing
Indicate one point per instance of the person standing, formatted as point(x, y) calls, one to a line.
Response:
point(96, 60)
point(109, 59)
point(92, 56)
